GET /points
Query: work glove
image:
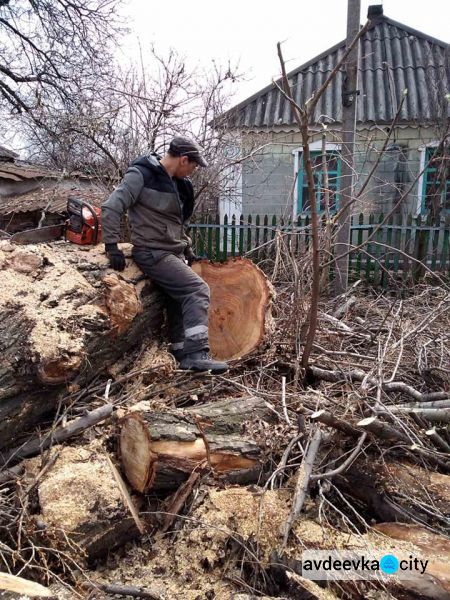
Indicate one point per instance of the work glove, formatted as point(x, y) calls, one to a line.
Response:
point(116, 257)
point(190, 256)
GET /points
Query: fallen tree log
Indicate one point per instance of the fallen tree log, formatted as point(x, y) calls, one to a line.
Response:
point(398, 491)
point(239, 315)
point(82, 509)
point(435, 582)
point(425, 488)
point(63, 318)
point(12, 587)
point(406, 543)
point(159, 450)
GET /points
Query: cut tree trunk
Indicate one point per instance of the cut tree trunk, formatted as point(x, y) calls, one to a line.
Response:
point(159, 450)
point(63, 318)
point(405, 542)
point(239, 315)
point(18, 588)
point(84, 511)
point(435, 582)
point(398, 491)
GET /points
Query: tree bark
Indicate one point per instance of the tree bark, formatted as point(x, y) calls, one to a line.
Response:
point(159, 450)
point(63, 318)
point(435, 582)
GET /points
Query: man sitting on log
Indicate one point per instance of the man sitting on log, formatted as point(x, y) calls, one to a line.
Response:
point(159, 198)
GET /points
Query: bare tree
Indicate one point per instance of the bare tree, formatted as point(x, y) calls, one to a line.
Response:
point(46, 45)
point(138, 109)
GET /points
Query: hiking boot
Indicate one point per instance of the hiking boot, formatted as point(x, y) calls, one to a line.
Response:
point(177, 354)
point(202, 361)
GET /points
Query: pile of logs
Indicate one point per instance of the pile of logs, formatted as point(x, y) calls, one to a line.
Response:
point(118, 458)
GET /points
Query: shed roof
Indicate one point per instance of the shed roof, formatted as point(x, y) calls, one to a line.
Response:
point(53, 199)
point(21, 171)
point(393, 57)
point(7, 154)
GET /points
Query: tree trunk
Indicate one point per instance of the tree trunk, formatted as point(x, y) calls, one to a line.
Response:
point(398, 491)
point(435, 582)
point(239, 315)
point(83, 510)
point(18, 588)
point(62, 319)
point(159, 450)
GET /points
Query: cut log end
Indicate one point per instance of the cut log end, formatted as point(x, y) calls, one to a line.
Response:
point(240, 298)
point(136, 454)
point(141, 457)
point(159, 450)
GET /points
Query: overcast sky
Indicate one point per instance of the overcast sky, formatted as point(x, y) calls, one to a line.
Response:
point(247, 31)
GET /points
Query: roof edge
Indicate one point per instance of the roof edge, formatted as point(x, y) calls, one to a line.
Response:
point(374, 22)
point(410, 30)
point(272, 86)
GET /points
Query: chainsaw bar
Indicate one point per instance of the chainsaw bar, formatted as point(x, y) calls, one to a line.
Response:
point(35, 236)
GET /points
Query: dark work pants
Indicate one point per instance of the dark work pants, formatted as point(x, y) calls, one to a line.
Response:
point(186, 293)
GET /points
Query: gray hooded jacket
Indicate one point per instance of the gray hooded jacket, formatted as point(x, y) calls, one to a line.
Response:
point(158, 206)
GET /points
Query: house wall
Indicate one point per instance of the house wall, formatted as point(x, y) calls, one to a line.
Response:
point(268, 178)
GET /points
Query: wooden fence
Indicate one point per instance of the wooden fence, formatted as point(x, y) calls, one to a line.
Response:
point(403, 246)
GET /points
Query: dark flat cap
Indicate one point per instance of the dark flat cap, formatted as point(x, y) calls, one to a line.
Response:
point(181, 146)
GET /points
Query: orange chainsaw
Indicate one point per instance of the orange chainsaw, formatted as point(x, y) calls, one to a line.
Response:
point(83, 227)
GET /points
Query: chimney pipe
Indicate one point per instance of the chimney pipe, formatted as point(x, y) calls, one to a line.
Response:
point(374, 11)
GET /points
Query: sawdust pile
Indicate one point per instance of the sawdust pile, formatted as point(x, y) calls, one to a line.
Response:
point(79, 481)
point(190, 564)
point(235, 527)
point(61, 295)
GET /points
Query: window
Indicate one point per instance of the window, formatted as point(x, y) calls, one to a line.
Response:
point(436, 181)
point(334, 172)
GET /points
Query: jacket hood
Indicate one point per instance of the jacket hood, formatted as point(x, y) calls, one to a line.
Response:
point(150, 161)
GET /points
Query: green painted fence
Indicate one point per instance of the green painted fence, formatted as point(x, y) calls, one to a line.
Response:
point(403, 247)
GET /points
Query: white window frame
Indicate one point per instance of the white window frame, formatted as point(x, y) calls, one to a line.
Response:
point(297, 152)
point(226, 206)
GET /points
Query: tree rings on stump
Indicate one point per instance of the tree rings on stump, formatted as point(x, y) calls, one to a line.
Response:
point(241, 298)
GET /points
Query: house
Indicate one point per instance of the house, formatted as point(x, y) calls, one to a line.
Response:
point(27, 190)
point(394, 61)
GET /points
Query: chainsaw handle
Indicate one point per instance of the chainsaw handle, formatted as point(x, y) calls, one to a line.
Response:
point(76, 206)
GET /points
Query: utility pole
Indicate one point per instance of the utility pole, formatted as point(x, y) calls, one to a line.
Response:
point(349, 96)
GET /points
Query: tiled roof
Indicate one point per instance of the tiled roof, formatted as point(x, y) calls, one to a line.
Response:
point(6, 153)
point(20, 171)
point(392, 57)
point(55, 199)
